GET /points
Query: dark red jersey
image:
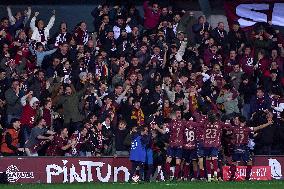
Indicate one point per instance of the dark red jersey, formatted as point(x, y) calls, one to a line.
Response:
point(55, 148)
point(176, 130)
point(190, 135)
point(240, 135)
point(212, 134)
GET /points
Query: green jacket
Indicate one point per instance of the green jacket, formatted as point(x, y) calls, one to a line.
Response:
point(230, 105)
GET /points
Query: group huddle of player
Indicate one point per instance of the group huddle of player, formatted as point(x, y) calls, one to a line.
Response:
point(197, 142)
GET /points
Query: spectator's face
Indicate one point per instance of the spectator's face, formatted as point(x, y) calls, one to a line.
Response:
point(201, 20)
point(67, 65)
point(2, 75)
point(61, 90)
point(216, 68)
point(233, 55)
point(180, 36)
point(274, 65)
point(236, 121)
point(260, 55)
point(118, 90)
point(64, 47)
point(177, 18)
point(122, 126)
point(120, 22)
point(91, 43)
point(155, 7)
point(83, 26)
point(211, 41)
point(166, 103)
point(48, 105)
point(178, 88)
point(165, 11)
point(63, 27)
point(65, 132)
point(17, 125)
point(137, 105)
point(106, 19)
point(22, 35)
point(165, 24)
point(68, 91)
point(245, 81)
point(40, 49)
point(135, 61)
point(5, 48)
point(221, 26)
point(273, 76)
point(5, 23)
point(110, 35)
point(40, 24)
point(106, 9)
point(133, 77)
point(135, 31)
point(236, 68)
point(84, 132)
point(247, 51)
point(42, 122)
point(41, 76)
point(158, 89)
point(56, 61)
point(178, 114)
point(18, 15)
point(132, 10)
point(99, 126)
point(189, 66)
point(214, 49)
point(107, 121)
point(260, 93)
point(274, 53)
point(156, 50)
point(138, 89)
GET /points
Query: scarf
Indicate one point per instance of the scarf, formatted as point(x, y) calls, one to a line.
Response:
point(138, 115)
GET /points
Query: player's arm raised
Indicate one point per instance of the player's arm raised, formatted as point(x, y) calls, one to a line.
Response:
point(255, 129)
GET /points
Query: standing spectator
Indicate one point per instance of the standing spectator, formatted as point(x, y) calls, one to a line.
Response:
point(37, 138)
point(40, 32)
point(30, 107)
point(10, 140)
point(59, 145)
point(151, 15)
point(14, 107)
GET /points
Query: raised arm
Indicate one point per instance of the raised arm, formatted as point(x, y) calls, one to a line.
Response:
point(255, 129)
point(51, 21)
point(32, 24)
point(10, 15)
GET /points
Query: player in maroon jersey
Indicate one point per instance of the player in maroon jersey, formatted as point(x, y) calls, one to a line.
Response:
point(60, 144)
point(212, 132)
point(240, 133)
point(200, 120)
point(176, 129)
point(189, 148)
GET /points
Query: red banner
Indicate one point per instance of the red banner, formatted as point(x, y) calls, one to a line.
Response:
point(65, 170)
point(249, 12)
point(257, 173)
point(105, 169)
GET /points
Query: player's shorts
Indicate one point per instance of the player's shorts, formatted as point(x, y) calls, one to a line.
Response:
point(174, 152)
point(241, 153)
point(210, 152)
point(189, 155)
point(199, 150)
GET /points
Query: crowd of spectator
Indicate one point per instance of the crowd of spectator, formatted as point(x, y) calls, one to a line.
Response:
point(77, 93)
